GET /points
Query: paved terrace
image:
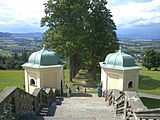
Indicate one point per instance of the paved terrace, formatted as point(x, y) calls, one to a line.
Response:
point(80, 107)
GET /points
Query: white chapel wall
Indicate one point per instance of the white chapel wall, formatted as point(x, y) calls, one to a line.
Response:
point(133, 76)
point(103, 79)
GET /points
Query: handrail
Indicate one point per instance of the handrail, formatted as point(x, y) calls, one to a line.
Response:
point(129, 105)
point(120, 97)
point(138, 110)
point(15, 102)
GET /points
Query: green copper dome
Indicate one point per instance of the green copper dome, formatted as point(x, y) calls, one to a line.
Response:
point(119, 60)
point(43, 58)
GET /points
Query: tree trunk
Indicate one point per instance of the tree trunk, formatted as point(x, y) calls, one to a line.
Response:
point(71, 68)
point(77, 65)
point(94, 72)
point(94, 63)
point(74, 65)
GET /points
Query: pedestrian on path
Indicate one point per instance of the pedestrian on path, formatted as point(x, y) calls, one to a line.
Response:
point(78, 89)
point(66, 85)
point(85, 90)
point(69, 91)
point(99, 91)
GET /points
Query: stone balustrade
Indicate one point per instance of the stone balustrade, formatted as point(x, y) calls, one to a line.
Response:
point(130, 107)
point(15, 102)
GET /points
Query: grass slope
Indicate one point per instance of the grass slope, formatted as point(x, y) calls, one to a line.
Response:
point(10, 78)
point(151, 103)
point(149, 81)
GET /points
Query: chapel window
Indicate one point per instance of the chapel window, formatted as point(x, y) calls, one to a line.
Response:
point(130, 84)
point(32, 82)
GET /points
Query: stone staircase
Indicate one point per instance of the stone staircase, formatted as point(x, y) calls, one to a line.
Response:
point(90, 107)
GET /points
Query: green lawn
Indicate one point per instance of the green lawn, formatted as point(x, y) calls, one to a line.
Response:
point(151, 103)
point(11, 78)
point(149, 81)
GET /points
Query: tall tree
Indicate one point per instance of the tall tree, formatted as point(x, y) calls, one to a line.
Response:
point(81, 30)
point(65, 19)
point(101, 33)
point(151, 59)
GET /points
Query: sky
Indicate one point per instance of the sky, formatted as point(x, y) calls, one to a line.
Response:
point(136, 17)
point(133, 18)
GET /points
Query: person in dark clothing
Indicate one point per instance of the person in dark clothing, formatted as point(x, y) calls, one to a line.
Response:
point(99, 91)
point(78, 89)
point(69, 91)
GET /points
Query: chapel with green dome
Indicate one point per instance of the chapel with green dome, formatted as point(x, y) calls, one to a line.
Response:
point(43, 59)
point(119, 71)
point(44, 69)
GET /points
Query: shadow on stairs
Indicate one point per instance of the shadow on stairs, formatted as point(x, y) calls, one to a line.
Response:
point(47, 112)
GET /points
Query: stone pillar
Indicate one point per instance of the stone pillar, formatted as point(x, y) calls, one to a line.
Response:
point(17, 102)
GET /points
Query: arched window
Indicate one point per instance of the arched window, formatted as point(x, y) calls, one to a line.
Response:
point(32, 82)
point(130, 84)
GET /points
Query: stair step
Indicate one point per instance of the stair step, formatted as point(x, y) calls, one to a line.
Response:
point(44, 110)
point(78, 108)
point(42, 114)
point(57, 118)
point(69, 118)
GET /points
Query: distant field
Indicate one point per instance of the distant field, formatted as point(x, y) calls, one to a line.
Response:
point(5, 53)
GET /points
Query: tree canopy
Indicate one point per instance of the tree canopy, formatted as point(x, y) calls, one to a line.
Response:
point(81, 30)
point(151, 59)
point(14, 61)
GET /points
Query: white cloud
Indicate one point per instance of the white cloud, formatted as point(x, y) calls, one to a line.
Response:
point(135, 13)
point(27, 12)
point(126, 14)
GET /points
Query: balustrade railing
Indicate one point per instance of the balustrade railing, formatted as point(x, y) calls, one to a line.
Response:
point(129, 105)
point(15, 102)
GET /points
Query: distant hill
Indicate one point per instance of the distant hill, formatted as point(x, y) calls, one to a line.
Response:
point(119, 35)
point(20, 42)
point(4, 34)
point(139, 35)
point(33, 35)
